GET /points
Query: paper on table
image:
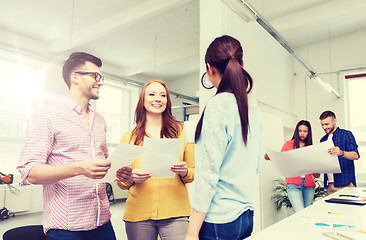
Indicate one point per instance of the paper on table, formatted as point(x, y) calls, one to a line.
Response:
point(123, 155)
point(159, 155)
point(306, 160)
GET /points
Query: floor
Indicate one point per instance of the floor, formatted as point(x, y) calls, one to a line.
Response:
point(117, 209)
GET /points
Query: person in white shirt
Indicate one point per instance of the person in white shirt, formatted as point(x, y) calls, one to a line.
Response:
point(227, 149)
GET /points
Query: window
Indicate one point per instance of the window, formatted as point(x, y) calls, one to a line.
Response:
point(356, 85)
point(29, 85)
point(22, 92)
point(117, 104)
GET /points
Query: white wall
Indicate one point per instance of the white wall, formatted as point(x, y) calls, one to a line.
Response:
point(186, 85)
point(347, 52)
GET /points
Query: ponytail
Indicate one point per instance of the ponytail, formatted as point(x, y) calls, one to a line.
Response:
point(237, 81)
point(226, 55)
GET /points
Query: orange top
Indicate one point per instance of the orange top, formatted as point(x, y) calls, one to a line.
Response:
point(159, 198)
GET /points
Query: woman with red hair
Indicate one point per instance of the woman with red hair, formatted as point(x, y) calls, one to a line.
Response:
point(157, 206)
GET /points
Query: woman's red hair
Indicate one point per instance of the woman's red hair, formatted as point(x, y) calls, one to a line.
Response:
point(170, 126)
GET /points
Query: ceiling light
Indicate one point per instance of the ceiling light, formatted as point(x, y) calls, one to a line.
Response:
point(241, 8)
point(324, 85)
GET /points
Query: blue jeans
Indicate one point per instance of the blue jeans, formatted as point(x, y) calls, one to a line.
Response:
point(240, 228)
point(300, 196)
point(104, 232)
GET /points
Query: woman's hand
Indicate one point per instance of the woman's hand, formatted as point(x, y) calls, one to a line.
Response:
point(316, 175)
point(124, 173)
point(139, 176)
point(180, 168)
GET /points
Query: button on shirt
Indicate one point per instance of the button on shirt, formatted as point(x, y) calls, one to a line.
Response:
point(226, 168)
point(345, 140)
point(58, 135)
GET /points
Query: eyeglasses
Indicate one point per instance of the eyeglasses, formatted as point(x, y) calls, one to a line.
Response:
point(99, 78)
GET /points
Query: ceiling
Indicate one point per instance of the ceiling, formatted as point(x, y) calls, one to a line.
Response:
point(142, 39)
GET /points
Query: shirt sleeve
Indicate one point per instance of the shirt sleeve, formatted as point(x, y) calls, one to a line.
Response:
point(38, 143)
point(212, 143)
point(351, 145)
point(188, 157)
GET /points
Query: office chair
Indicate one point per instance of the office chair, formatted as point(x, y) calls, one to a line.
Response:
point(33, 232)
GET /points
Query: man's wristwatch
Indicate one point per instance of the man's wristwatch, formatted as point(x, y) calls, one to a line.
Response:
point(342, 154)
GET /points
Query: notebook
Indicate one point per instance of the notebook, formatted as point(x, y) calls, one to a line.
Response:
point(346, 201)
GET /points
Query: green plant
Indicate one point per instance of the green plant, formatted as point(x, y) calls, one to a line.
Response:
point(320, 191)
point(280, 196)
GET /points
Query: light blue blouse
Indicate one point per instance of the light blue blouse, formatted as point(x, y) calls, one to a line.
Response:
point(226, 168)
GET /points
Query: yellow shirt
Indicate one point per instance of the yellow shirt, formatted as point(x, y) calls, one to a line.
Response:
point(159, 198)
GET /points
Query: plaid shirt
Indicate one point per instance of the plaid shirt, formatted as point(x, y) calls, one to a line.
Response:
point(58, 135)
point(345, 140)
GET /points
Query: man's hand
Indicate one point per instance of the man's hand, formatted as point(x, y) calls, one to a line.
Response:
point(124, 174)
point(335, 151)
point(180, 168)
point(95, 168)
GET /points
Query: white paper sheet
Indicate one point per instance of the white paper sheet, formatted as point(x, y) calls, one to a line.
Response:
point(123, 155)
point(159, 155)
point(306, 160)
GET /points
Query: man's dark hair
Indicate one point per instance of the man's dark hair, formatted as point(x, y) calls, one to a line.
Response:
point(76, 60)
point(326, 114)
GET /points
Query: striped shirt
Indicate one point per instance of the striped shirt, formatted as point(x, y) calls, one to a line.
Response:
point(58, 135)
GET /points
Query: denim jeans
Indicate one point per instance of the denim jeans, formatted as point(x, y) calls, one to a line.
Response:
point(104, 232)
point(300, 196)
point(240, 228)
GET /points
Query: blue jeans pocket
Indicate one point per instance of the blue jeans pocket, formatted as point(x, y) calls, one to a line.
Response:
point(238, 229)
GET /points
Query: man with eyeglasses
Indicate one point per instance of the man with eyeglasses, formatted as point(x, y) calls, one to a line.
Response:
point(65, 147)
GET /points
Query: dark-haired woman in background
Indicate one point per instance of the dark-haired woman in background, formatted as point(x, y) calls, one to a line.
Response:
point(300, 189)
point(227, 149)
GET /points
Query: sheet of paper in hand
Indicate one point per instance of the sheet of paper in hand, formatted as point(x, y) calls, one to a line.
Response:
point(305, 160)
point(159, 155)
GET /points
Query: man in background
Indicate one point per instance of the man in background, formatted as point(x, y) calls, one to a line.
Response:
point(65, 147)
point(345, 148)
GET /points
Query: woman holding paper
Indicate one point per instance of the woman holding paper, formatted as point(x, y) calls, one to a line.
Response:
point(227, 149)
point(156, 206)
point(300, 189)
